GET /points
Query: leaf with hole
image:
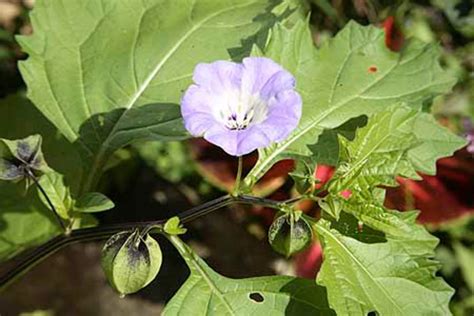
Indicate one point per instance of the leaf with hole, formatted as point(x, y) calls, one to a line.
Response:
point(206, 292)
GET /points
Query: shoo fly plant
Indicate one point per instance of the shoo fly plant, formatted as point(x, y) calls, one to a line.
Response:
point(244, 75)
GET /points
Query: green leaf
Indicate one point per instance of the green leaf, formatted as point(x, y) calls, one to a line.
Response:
point(25, 220)
point(131, 262)
point(59, 194)
point(93, 202)
point(465, 257)
point(174, 227)
point(399, 226)
point(331, 205)
point(379, 277)
point(379, 151)
point(206, 292)
point(109, 73)
point(435, 141)
point(303, 175)
point(335, 83)
point(397, 141)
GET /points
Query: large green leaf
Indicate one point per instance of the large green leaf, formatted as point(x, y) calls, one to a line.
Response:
point(379, 277)
point(107, 73)
point(205, 292)
point(353, 74)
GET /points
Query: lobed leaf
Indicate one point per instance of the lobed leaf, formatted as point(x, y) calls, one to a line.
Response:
point(353, 74)
point(379, 277)
point(205, 292)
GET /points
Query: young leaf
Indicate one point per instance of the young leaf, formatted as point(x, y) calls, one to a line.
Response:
point(93, 202)
point(174, 227)
point(336, 84)
point(397, 141)
point(59, 194)
point(218, 295)
point(331, 205)
point(109, 73)
point(303, 175)
point(379, 277)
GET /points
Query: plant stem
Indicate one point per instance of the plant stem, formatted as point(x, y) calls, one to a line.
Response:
point(29, 259)
point(238, 177)
point(48, 200)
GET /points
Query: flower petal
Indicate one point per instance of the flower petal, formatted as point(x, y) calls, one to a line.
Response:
point(280, 81)
point(196, 110)
point(283, 116)
point(237, 142)
point(257, 71)
point(219, 76)
point(251, 139)
point(223, 137)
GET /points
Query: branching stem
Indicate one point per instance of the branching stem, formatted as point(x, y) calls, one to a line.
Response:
point(28, 260)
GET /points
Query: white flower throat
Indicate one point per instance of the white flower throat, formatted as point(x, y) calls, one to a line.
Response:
point(238, 110)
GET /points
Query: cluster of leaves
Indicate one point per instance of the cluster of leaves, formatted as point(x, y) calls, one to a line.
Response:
point(363, 113)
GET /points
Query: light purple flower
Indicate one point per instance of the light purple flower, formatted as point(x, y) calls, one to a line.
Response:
point(241, 107)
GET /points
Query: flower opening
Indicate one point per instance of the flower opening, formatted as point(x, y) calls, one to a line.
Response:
point(241, 107)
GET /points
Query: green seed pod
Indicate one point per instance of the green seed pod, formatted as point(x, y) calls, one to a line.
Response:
point(131, 262)
point(288, 235)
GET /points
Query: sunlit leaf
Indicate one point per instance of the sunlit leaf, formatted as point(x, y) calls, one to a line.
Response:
point(379, 277)
point(206, 292)
point(108, 73)
point(353, 74)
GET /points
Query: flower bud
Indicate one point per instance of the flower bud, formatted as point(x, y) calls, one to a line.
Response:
point(289, 234)
point(130, 261)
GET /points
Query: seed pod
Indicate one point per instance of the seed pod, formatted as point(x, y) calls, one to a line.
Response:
point(131, 262)
point(288, 235)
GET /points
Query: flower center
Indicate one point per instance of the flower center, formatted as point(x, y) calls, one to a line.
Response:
point(241, 110)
